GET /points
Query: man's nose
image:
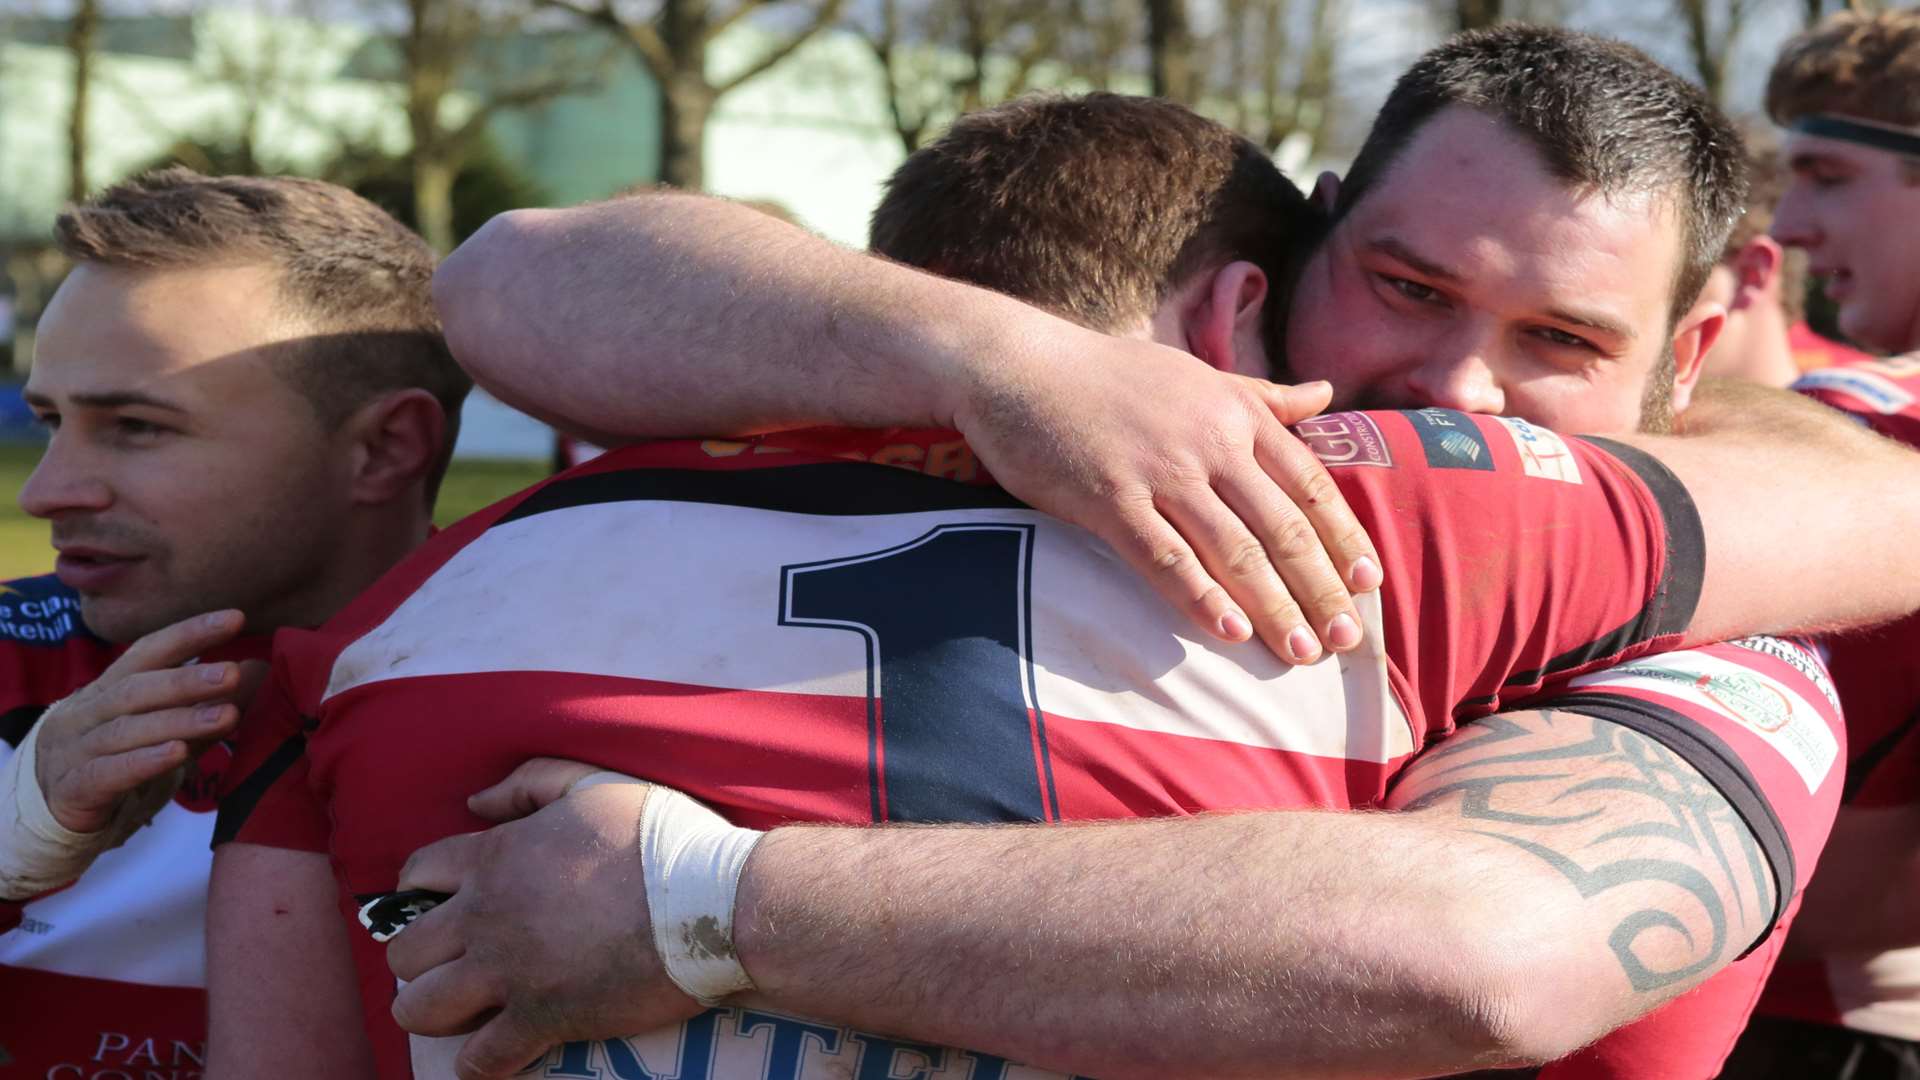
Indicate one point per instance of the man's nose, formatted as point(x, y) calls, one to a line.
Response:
point(63, 483)
point(1457, 378)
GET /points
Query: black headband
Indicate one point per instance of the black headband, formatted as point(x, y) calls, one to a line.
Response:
point(1828, 126)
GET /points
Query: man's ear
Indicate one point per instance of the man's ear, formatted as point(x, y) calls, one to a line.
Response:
point(1224, 318)
point(1692, 339)
point(394, 442)
point(1756, 270)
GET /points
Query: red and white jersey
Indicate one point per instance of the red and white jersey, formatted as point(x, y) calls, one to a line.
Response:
point(1769, 707)
point(110, 972)
point(1878, 673)
point(788, 636)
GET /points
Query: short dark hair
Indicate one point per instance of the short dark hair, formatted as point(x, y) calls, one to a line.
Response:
point(1094, 206)
point(1601, 114)
point(357, 276)
point(1861, 64)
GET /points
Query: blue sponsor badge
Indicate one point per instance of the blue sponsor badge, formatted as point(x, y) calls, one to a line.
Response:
point(1451, 439)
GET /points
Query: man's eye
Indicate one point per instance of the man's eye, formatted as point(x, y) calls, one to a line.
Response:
point(1561, 337)
point(127, 425)
point(1413, 290)
point(50, 421)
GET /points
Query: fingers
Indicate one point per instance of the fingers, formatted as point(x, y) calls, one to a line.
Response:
point(1159, 553)
point(450, 999)
point(441, 866)
point(429, 942)
point(1244, 566)
point(504, 1047)
point(1292, 404)
point(534, 785)
point(85, 798)
point(171, 646)
point(193, 723)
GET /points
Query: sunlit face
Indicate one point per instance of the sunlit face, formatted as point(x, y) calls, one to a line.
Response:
point(1469, 278)
point(1856, 211)
point(183, 473)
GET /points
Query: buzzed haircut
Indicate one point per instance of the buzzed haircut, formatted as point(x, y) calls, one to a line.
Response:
point(1094, 207)
point(1856, 64)
point(1602, 115)
point(358, 278)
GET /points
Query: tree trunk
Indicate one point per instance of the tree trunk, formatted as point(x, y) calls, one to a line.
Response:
point(1170, 49)
point(80, 43)
point(433, 200)
point(1476, 14)
point(686, 104)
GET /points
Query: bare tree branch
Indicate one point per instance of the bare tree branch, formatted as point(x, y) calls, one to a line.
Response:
point(824, 15)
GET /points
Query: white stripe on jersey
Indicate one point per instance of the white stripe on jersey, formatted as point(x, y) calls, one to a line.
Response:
point(138, 915)
point(1768, 708)
point(689, 593)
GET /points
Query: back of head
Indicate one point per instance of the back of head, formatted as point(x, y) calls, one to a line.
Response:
point(358, 280)
point(1856, 64)
point(1602, 115)
point(1094, 207)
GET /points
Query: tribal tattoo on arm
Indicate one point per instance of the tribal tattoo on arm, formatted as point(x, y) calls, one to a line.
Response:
point(1663, 870)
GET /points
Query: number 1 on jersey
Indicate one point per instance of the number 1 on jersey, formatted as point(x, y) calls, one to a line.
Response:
point(954, 727)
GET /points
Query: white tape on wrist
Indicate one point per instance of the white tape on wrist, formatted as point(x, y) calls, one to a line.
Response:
point(37, 853)
point(692, 858)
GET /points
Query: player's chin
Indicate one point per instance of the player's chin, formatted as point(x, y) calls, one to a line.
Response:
point(121, 618)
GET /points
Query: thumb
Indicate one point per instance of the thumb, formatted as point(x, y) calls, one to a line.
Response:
point(1292, 404)
point(532, 786)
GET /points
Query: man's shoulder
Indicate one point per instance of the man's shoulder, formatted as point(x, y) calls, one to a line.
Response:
point(1882, 392)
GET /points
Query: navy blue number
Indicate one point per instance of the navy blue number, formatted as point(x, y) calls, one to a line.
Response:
point(954, 728)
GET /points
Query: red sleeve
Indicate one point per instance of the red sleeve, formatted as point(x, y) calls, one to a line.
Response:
point(1512, 556)
point(267, 800)
point(1760, 721)
point(1883, 394)
point(1880, 683)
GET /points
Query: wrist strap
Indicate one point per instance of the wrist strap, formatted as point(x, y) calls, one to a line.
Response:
point(37, 853)
point(692, 859)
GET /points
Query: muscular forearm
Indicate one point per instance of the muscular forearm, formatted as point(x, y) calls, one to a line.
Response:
point(665, 315)
point(1807, 518)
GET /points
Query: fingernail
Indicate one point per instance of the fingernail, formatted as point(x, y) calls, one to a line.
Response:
point(1343, 632)
point(213, 673)
point(1366, 574)
point(1304, 646)
point(1234, 627)
point(216, 620)
point(208, 715)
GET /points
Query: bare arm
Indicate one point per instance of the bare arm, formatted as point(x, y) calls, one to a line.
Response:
point(282, 996)
point(679, 315)
point(1547, 877)
point(1807, 517)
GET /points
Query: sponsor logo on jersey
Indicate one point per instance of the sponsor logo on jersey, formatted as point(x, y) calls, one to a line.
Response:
point(1542, 453)
point(1872, 390)
point(1348, 438)
point(31, 612)
point(1805, 659)
point(1775, 712)
point(1451, 440)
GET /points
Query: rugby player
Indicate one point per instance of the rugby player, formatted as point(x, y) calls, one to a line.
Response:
point(1843, 1003)
point(1763, 286)
point(360, 692)
point(250, 406)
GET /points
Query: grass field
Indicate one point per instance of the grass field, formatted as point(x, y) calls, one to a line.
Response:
point(469, 486)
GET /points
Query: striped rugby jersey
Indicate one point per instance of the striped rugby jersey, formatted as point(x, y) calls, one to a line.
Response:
point(789, 635)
